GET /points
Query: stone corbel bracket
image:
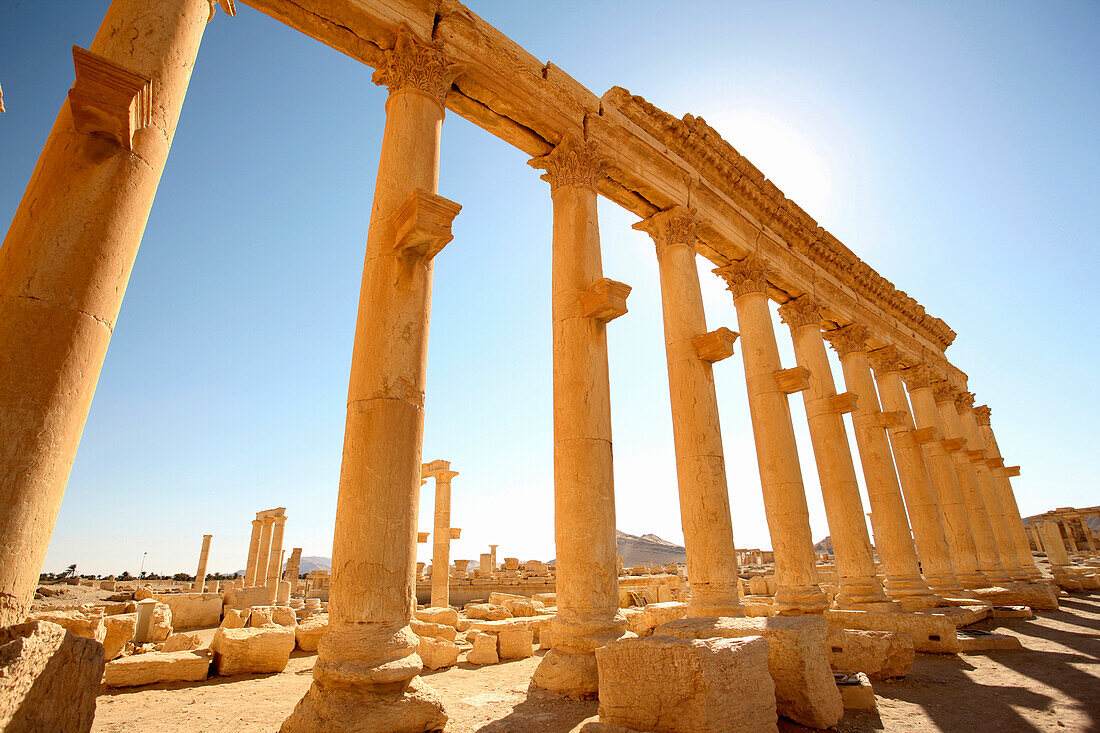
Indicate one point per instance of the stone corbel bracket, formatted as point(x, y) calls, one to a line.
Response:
point(995, 462)
point(953, 445)
point(843, 402)
point(421, 537)
point(890, 419)
point(1012, 470)
point(920, 436)
point(422, 224)
point(715, 345)
point(456, 533)
point(976, 456)
point(604, 300)
point(795, 379)
point(108, 99)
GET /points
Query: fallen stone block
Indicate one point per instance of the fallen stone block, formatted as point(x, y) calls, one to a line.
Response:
point(487, 612)
point(657, 614)
point(119, 631)
point(931, 633)
point(675, 685)
point(856, 691)
point(433, 631)
point(961, 615)
point(445, 616)
point(252, 650)
point(498, 599)
point(180, 643)
point(546, 599)
point(804, 688)
point(977, 640)
point(523, 607)
point(484, 651)
point(515, 644)
point(234, 619)
point(636, 621)
point(260, 616)
point(193, 610)
point(878, 654)
point(308, 633)
point(78, 623)
point(1038, 596)
point(49, 678)
point(438, 653)
point(156, 667)
point(1024, 612)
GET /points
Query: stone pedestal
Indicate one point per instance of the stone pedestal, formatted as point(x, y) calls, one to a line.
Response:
point(200, 574)
point(66, 260)
point(700, 464)
point(367, 662)
point(776, 452)
point(253, 553)
point(893, 539)
point(859, 586)
point(584, 495)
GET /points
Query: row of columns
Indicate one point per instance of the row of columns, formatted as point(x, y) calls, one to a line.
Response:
point(265, 550)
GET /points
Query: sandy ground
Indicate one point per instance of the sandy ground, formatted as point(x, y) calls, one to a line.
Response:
point(1053, 684)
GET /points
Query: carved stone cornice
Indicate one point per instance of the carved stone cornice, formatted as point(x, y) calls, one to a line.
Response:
point(413, 65)
point(885, 360)
point(801, 311)
point(964, 400)
point(574, 162)
point(673, 226)
point(749, 275)
point(847, 339)
point(981, 414)
point(918, 376)
point(943, 391)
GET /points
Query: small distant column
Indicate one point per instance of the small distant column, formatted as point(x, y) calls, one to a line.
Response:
point(859, 586)
point(275, 558)
point(493, 558)
point(1053, 544)
point(263, 556)
point(253, 552)
point(485, 565)
point(441, 539)
point(776, 451)
point(200, 574)
point(293, 566)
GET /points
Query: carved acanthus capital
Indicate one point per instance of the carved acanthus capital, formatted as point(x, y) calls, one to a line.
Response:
point(229, 6)
point(412, 65)
point(574, 162)
point(801, 311)
point(964, 400)
point(942, 391)
point(749, 275)
point(918, 376)
point(981, 414)
point(848, 339)
point(673, 226)
point(885, 360)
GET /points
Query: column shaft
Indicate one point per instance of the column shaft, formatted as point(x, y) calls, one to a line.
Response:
point(441, 541)
point(200, 574)
point(64, 266)
point(1053, 544)
point(776, 450)
point(253, 553)
point(275, 557)
point(263, 554)
point(697, 436)
point(859, 585)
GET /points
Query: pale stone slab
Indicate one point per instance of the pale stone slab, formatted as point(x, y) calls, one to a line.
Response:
point(515, 643)
point(193, 610)
point(487, 612)
point(931, 633)
point(673, 685)
point(49, 678)
point(1037, 596)
point(438, 653)
point(804, 688)
point(445, 616)
point(523, 607)
point(308, 633)
point(180, 643)
point(657, 614)
point(154, 667)
point(234, 619)
point(636, 621)
point(856, 692)
point(433, 631)
point(484, 651)
point(878, 654)
point(252, 651)
point(119, 632)
point(77, 623)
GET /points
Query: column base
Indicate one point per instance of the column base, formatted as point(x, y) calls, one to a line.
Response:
point(708, 610)
point(943, 585)
point(863, 594)
point(800, 601)
point(974, 580)
point(998, 577)
point(911, 592)
point(415, 708)
point(572, 675)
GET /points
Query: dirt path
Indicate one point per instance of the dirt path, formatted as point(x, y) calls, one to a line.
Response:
point(1051, 685)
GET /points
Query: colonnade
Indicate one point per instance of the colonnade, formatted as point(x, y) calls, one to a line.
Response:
point(944, 518)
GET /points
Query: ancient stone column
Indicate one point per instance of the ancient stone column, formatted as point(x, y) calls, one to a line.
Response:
point(979, 459)
point(493, 558)
point(67, 256)
point(485, 565)
point(584, 494)
point(860, 587)
point(367, 664)
point(700, 463)
point(253, 553)
point(1067, 533)
point(941, 467)
point(977, 510)
point(293, 568)
point(263, 555)
point(441, 540)
point(275, 558)
point(893, 539)
point(1053, 544)
point(200, 574)
point(776, 451)
point(921, 501)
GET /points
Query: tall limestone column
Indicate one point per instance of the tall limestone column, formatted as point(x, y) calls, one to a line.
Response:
point(275, 558)
point(441, 537)
point(67, 257)
point(1054, 545)
point(981, 523)
point(293, 568)
point(200, 574)
point(979, 460)
point(921, 501)
point(700, 463)
point(1008, 497)
point(367, 663)
point(893, 539)
point(860, 587)
point(584, 492)
point(263, 555)
point(776, 451)
point(253, 552)
point(941, 467)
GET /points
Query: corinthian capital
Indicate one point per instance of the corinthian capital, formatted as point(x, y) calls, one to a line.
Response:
point(848, 339)
point(918, 376)
point(943, 392)
point(412, 65)
point(885, 360)
point(673, 226)
point(801, 311)
point(981, 414)
point(749, 275)
point(964, 400)
point(574, 162)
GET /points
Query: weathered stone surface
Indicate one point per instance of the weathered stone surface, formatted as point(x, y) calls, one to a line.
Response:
point(445, 616)
point(193, 610)
point(260, 616)
point(49, 678)
point(434, 631)
point(484, 651)
point(878, 654)
point(234, 619)
point(536, 624)
point(487, 612)
point(856, 692)
point(515, 644)
point(119, 630)
point(160, 666)
point(1037, 596)
point(636, 621)
point(180, 643)
point(523, 607)
point(657, 614)
point(309, 632)
point(252, 651)
point(438, 653)
point(804, 688)
point(143, 592)
point(931, 633)
point(416, 708)
point(77, 623)
point(161, 626)
point(674, 685)
point(498, 599)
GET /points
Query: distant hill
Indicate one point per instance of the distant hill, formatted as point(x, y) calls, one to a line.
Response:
point(648, 548)
point(826, 545)
point(308, 564)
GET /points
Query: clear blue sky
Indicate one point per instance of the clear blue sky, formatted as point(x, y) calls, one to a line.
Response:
point(952, 146)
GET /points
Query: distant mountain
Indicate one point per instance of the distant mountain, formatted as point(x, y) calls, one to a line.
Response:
point(308, 564)
point(826, 545)
point(648, 548)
